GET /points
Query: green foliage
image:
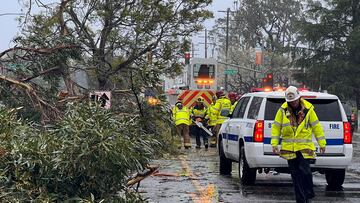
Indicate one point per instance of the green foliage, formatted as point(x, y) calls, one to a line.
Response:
point(158, 122)
point(119, 29)
point(90, 152)
point(266, 24)
point(332, 60)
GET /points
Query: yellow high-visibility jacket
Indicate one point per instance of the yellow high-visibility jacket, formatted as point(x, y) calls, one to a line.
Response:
point(233, 107)
point(181, 116)
point(223, 106)
point(297, 138)
point(198, 113)
point(212, 115)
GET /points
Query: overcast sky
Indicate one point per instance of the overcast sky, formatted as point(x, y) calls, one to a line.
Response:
point(10, 27)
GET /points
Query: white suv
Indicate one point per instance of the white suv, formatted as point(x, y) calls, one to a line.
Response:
point(255, 113)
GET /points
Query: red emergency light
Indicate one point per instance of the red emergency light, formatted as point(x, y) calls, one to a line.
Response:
point(303, 89)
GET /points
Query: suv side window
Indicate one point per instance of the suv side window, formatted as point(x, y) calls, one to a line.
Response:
point(242, 108)
point(237, 108)
point(254, 107)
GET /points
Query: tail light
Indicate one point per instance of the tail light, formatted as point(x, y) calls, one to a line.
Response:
point(259, 131)
point(347, 133)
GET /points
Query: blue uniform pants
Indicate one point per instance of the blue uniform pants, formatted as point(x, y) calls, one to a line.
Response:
point(302, 178)
point(198, 132)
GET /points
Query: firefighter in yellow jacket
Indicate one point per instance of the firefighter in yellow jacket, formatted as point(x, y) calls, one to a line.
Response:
point(223, 104)
point(212, 115)
point(198, 113)
point(181, 117)
point(222, 108)
point(232, 97)
point(294, 123)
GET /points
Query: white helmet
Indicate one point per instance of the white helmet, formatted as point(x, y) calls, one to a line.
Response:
point(292, 94)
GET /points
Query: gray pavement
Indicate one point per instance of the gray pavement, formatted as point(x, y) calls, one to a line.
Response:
point(193, 176)
point(355, 166)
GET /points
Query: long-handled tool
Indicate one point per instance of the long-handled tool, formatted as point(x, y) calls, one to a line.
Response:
point(200, 125)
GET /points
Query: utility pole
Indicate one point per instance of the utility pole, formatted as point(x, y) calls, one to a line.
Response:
point(227, 46)
point(206, 43)
point(213, 49)
point(193, 50)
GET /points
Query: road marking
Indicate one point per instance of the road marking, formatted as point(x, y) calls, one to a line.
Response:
point(206, 194)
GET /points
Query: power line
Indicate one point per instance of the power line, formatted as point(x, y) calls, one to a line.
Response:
point(11, 14)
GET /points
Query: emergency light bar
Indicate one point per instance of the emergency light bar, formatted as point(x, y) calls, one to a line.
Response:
point(204, 81)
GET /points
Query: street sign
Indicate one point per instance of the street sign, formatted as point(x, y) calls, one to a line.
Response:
point(231, 72)
point(104, 97)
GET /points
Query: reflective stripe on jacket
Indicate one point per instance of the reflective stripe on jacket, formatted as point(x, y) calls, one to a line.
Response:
point(223, 105)
point(181, 116)
point(297, 138)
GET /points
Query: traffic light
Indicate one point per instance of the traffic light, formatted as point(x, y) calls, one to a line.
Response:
point(265, 82)
point(270, 80)
point(187, 58)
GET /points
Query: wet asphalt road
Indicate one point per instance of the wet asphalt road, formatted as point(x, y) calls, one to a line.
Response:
point(193, 176)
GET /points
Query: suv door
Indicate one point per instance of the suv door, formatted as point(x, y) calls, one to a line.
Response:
point(226, 132)
point(236, 126)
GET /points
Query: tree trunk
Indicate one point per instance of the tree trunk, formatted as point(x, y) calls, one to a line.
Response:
point(102, 82)
point(71, 87)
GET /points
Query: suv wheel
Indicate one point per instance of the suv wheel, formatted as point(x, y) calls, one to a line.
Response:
point(247, 175)
point(225, 163)
point(335, 177)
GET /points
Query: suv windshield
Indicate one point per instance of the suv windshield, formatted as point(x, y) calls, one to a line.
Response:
point(326, 109)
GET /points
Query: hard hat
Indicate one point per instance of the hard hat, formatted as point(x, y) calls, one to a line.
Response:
point(292, 94)
point(200, 99)
point(219, 94)
point(232, 95)
point(178, 101)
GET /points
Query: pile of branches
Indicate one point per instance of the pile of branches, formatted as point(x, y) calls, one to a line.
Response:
point(87, 155)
